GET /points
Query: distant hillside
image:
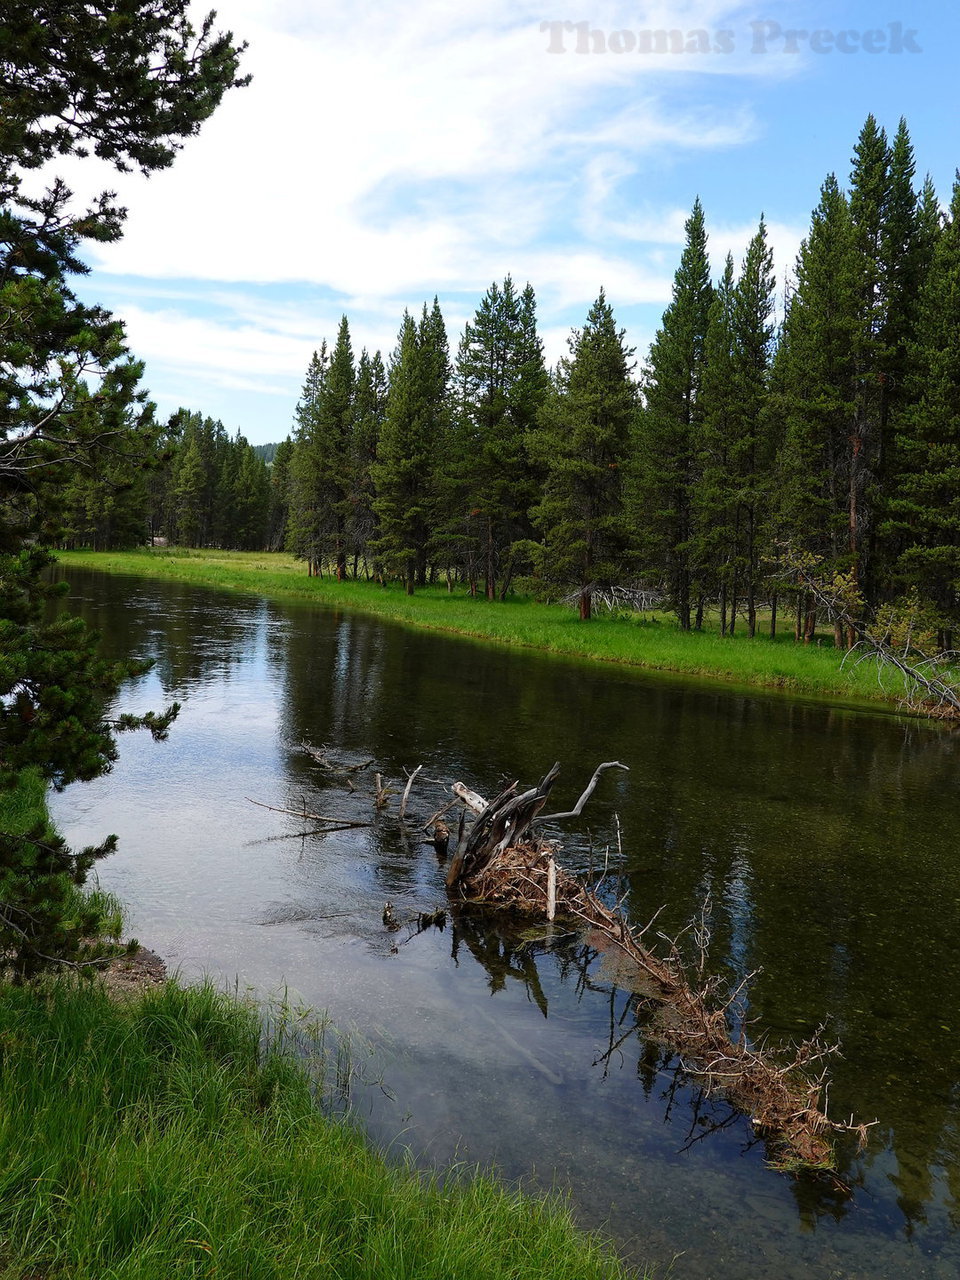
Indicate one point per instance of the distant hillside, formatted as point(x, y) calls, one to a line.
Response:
point(266, 452)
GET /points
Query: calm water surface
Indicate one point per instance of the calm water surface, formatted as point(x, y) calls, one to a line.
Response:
point(825, 841)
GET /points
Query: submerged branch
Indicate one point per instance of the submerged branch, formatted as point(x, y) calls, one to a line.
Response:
point(344, 823)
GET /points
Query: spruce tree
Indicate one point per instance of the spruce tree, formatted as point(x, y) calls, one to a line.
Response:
point(751, 452)
point(582, 446)
point(925, 510)
point(501, 382)
point(669, 425)
point(714, 501)
point(129, 84)
point(814, 388)
point(369, 408)
point(279, 495)
point(305, 477)
point(189, 495)
point(401, 473)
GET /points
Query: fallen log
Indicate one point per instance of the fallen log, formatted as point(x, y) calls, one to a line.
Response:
point(500, 861)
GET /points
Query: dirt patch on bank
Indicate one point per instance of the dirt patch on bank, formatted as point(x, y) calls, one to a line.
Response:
point(133, 973)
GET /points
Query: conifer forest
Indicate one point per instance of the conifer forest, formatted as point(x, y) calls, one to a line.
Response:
point(773, 439)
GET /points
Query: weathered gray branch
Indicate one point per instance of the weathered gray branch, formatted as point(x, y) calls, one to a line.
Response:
point(344, 823)
point(576, 811)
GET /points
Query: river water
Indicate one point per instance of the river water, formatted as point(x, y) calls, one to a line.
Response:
point(824, 841)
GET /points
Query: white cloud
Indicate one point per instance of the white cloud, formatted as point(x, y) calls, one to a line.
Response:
point(382, 147)
point(384, 153)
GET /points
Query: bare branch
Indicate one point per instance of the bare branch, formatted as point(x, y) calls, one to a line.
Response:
point(576, 811)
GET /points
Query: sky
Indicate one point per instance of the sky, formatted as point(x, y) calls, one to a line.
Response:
point(386, 153)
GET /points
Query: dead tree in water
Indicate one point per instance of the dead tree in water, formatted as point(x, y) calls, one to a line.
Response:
point(501, 861)
point(508, 820)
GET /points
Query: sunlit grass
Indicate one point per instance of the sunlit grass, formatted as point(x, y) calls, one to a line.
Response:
point(24, 805)
point(652, 642)
point(160, 1138)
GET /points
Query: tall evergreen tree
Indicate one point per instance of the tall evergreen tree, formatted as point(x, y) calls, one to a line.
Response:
point(320, 468)
point(582, 446)
point(401, 473)
point(669, 425)
point(502, 382)
point(129, 85)
point(714, 501)
point(751, 453)
point(306, 481)
point(189, 494)
point(814, 387)
point(369, 408)
point(925, 510)
point(279, 495)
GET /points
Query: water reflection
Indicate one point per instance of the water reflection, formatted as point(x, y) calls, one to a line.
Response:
point(824, 842)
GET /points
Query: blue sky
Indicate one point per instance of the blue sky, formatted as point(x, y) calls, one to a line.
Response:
point(396, 151)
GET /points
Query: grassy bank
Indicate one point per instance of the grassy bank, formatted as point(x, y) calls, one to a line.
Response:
point(159, 1139)
point(652, 643)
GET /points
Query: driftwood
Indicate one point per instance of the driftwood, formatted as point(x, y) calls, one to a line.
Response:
point(338, 824)
point(406, 791)
point(501, 862)
point(505, 821)
point(588, 790)
point(338, 768)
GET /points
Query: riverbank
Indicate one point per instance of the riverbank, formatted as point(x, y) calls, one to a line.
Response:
point(650, 642)
point(156, 1134)
point(158, 1137)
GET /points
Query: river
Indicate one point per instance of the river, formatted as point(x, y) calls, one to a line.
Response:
point(826, 843)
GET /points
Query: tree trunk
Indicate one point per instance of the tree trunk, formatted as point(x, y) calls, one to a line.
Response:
point(810, 622)
point(490, 582)
point(773, 616)
point(586, 604)
point(723, 609)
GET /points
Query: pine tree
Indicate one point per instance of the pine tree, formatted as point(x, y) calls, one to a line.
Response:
point(669, 425)
point(926, 507)
point(582, 445)
point(434, 361)
point(814, 388)
point(911, 230)
point(320, 506)
point(502, 383)
point(401, 473)
point(72, 78)
point(251, 499)
point(369, 409)
point(751, 450)
point(303, 528)
point(189, 495)
point(279, 495)
point(714, 501)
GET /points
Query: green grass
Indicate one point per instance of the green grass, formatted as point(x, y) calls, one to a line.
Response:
point(25, 805)
point(160, 1139)
point(653, 643)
